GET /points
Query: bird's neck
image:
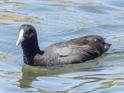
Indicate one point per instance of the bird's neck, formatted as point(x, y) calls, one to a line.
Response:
point(30, 49)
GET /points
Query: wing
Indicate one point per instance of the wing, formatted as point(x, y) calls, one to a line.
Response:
point(75, 53)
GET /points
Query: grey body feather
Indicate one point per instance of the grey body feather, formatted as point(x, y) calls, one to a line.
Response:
point(73, 51)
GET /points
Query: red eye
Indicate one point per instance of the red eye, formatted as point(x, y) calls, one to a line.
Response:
point(27, 32)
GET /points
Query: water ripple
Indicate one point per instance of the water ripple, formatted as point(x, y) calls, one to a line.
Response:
point(55, 21)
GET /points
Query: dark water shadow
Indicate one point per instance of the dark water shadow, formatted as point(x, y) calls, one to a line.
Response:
point(30, 74)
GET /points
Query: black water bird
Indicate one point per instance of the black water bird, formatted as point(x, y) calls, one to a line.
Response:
point(72, 51)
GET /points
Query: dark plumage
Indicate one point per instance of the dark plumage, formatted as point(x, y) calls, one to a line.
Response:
point(73, 51)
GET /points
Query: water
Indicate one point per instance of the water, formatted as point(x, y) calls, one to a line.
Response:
point(55, 21)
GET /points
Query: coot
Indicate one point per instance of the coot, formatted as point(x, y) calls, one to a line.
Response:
point(72, 51)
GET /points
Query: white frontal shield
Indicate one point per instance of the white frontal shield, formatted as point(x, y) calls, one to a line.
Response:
point(20, 38)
